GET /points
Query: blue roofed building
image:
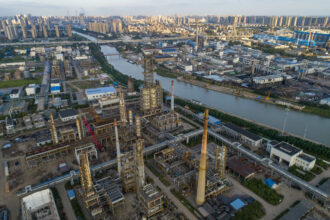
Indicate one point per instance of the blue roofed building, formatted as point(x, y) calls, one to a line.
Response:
point(270, 183)
point(212, 120)
point(98, 93)
point(71, 194)
point(237, 204)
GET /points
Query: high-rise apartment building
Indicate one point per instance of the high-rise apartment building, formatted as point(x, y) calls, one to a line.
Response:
point(69, 31)
point(57, 31)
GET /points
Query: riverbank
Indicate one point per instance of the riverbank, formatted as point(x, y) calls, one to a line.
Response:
point(311, 147)
point(325, 112)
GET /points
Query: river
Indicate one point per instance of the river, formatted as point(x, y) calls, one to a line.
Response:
point(311, 126)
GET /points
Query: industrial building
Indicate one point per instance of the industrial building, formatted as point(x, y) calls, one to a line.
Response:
point(68, 114)
point(55, 86)
point(290, 155)
point(151, 92)
point(243, 135)
point(98, 93)
point(39, 205)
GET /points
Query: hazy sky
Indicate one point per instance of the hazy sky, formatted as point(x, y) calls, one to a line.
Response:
point(166, 7)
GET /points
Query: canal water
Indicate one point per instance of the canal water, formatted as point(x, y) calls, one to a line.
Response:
point(303, 124)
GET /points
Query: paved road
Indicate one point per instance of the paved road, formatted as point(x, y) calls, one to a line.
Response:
point(66, 202)
point(44, 88)
point(77, 69)
point(167, 192)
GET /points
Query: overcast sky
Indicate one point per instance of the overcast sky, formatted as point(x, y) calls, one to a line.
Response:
point(166, 7)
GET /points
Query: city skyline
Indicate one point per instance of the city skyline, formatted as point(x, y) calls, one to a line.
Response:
point(169, 7)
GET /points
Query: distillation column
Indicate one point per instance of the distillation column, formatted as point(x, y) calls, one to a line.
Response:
point(200, 197)
point(118, 149)
point(139, 155)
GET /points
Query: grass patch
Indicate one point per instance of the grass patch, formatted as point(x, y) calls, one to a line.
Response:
point(262, 190)
point(77, 209)
point(305, 175)
point(19, 82)
point(58, 203)
point(321, 163)
point(87, 84)
point(317, 170)
point(252, 211)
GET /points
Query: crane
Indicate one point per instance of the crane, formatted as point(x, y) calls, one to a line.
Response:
point(99, 147)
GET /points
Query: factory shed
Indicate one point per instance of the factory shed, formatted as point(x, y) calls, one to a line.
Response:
point(242, 169)
point(237, 204)
point(298, 211)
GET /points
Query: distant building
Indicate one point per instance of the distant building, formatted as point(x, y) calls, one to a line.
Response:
point(15, 93)
point(31, 89)
point(325, 101)
point(55, 86)
point(163, 58)
point(39, 205)
point(57, 31)
point(69, 31)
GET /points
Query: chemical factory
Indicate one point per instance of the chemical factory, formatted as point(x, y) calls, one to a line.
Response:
point(128, 129)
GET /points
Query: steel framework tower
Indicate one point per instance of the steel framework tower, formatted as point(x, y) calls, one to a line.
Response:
point(220, 160)
point(53, 129)
point(200, 197)
point(139, 156)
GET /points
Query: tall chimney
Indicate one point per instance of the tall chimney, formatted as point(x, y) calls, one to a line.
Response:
point(53, 129)
point(172, 96)
point(118, 149)
point(200, 197)
point(130, 117)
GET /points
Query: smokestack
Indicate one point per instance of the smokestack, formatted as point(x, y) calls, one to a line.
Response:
point(123, 116)
point(53, 129)
point(118, 149)
point(78, 128)
point(130, 115)
point(172, 96)
point(200, 197)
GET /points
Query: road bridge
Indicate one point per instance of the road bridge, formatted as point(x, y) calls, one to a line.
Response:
point(98, 41)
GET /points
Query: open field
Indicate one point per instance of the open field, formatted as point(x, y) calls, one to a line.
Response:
point(19, 82)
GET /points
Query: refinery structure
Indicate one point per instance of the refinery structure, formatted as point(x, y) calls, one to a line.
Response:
point(120, 126)
point(114, 147)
